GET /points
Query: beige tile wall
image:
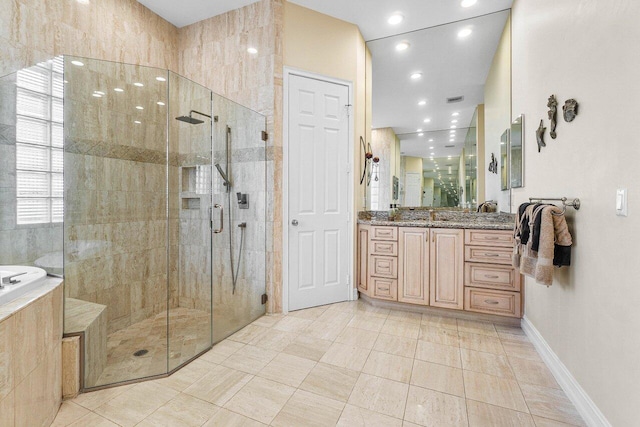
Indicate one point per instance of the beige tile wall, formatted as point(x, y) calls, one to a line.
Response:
point(213, 52)
point(31, 362)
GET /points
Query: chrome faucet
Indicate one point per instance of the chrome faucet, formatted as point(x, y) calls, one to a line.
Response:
point(9, 280)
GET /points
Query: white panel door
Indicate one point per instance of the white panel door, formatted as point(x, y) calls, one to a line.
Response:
point(318, 183)
point(412, 189)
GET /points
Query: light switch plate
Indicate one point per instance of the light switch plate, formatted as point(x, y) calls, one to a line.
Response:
point(621, 202)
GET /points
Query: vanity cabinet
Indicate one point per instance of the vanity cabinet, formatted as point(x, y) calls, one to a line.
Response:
point(492, 286)
point(450, 268)
point(413, 259)
point(447, 268)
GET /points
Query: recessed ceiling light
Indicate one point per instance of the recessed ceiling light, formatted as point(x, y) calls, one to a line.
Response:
point(117, 89)
point(402, 46)
point(99, 92)
point(83, 1)
point(139, 107)
point(453, 126)
point(137, 122)
point(427, 120)
point(161, 79)
point(419, 130)
point(455, 114)
point(138, 84)
point(421, 103)
point(431, 148)
point(465, 32)
point(451, 139)
point(160, 103)
point(468, 3)
point(395, 19)
point(448, 157)
point(421, 134)
point(454, 121)
point(78, 63)
point(252, 50)
point(416, 76)
point(452, 131)
point(431, 140)
point(97, 95)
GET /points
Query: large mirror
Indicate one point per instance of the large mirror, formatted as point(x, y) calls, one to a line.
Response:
point(435, 102)
point(516, 145)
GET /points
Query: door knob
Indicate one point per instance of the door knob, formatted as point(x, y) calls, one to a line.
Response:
point(294, 222)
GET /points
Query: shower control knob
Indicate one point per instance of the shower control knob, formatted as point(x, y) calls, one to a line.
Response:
point(294, 222)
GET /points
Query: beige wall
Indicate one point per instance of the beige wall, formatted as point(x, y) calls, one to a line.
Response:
point(413, 164)
point(587, 50)
point(386, 146)
point(497, 114)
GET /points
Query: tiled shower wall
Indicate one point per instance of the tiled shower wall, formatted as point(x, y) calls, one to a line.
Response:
point(213, 52)
point(115, 190)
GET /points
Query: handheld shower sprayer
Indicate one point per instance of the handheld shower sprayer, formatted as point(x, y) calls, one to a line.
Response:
point(224, 176)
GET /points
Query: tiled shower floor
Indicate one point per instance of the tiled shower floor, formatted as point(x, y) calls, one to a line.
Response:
point(189, 335)
point(347, 364)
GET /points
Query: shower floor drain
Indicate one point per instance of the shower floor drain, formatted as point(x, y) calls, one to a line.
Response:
point(140, 353)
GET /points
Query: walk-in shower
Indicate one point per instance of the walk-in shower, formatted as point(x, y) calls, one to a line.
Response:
point(115, 189)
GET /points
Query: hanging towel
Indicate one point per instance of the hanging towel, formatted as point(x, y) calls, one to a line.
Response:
point(517, 234)
point(529, 257)
point(553, 233)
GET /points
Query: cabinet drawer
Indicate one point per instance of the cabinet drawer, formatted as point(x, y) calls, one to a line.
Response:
point(384, 266)
point(385, 288)
point(384, 248)
point(488, 255)
point(502, 238)
point(491, 276)
point(384, 233)
point(502, 303)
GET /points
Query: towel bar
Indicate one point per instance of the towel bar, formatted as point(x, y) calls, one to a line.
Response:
point(575, 203)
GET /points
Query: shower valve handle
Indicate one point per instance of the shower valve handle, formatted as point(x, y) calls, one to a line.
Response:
point(219, 230)
point(294, 222)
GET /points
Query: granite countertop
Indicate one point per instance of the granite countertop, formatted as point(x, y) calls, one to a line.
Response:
point(439, 219)
point(482, 225)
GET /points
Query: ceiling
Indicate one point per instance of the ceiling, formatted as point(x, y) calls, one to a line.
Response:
point(450, 66)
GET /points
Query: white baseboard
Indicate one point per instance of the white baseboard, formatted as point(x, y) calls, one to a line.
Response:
point(576, 394)
point(354, 294)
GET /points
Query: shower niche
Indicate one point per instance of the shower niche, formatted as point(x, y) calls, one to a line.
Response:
point(148, 285)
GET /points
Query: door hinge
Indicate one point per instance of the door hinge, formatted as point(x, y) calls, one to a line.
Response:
point(265, 136)
point(264, 299)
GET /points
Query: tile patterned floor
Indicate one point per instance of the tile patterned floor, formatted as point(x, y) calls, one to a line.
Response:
point(346, 364)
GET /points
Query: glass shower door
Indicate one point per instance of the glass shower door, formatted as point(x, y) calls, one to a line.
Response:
point(239, 200)
point(190, 125)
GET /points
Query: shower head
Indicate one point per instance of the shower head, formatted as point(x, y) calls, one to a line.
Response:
point(224, 176)
point(192, 121)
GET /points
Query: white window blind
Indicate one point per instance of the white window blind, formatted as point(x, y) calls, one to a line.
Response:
point(39, 143)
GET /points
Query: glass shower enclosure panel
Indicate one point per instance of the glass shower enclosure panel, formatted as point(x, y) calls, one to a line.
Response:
point(115, 217)
point(239, 216)
point(190, 311)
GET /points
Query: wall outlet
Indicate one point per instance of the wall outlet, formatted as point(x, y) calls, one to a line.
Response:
point(621, 202)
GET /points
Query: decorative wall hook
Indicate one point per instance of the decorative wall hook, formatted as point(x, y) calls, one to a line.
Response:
point(570, 110)
point(540, 135)
point(553, 110)
point(493, 166)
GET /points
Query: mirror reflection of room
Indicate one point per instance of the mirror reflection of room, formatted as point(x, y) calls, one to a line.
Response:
point(441, 101)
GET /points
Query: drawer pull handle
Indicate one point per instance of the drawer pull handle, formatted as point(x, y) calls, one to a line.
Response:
point(490, 238)
point(492, 302)
point(492, 255)
point(489, 276)
point(383, 289)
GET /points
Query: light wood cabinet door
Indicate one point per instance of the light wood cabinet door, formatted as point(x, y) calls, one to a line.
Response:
point(363, 257)
point(446, 282)
point(413, 265)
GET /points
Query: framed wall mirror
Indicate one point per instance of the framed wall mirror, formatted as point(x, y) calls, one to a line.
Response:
point(504, 160)
point(516, 152)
